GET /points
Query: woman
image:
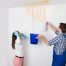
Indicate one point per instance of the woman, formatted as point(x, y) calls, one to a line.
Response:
point(18, 48)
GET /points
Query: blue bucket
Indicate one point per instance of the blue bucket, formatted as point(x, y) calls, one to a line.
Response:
point(33, 39)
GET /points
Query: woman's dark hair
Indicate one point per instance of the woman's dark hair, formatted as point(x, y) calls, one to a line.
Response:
point(14, 37)
point(63, 27)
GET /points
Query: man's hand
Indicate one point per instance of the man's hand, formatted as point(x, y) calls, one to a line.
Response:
point(41, 37)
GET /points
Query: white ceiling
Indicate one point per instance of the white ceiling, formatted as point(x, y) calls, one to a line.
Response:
point(19, 3)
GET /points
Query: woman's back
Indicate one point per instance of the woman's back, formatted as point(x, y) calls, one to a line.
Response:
point(19, 48)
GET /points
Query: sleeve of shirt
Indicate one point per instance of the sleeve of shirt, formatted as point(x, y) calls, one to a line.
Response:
point(54, 40)
point(57, 32)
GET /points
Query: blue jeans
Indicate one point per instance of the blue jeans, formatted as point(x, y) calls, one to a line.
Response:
point(59, 60)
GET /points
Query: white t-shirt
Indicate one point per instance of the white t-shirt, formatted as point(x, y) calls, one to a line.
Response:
point(19, 48)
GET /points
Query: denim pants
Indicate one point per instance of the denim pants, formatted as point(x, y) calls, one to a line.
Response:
point(59, 60)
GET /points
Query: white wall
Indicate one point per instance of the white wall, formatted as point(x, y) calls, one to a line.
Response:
point(35, 55)
point(56, 13)
point(3, 36)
